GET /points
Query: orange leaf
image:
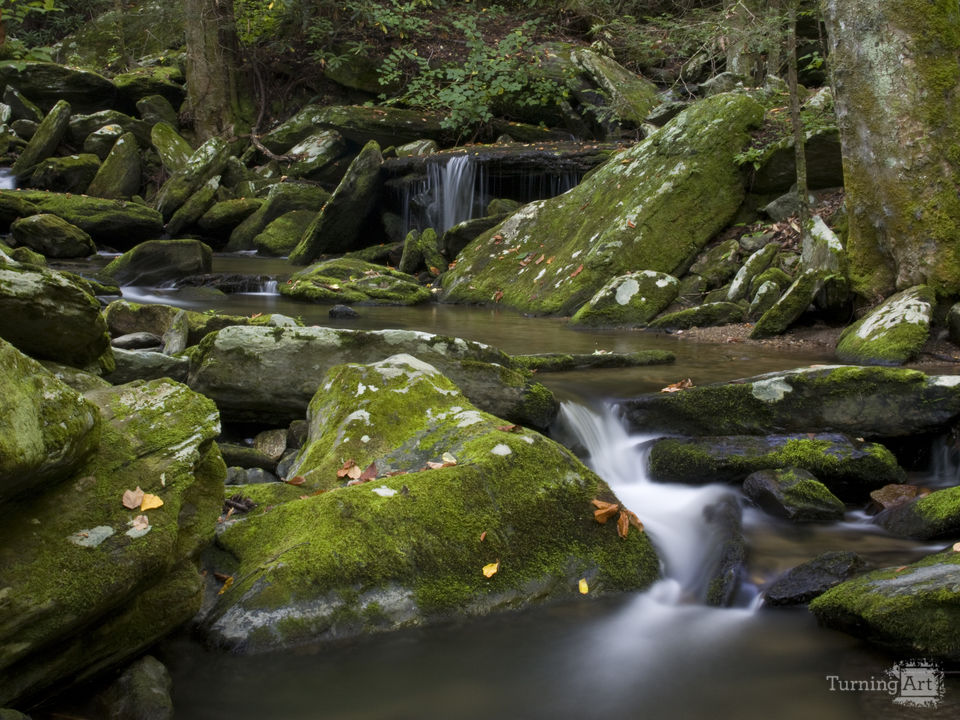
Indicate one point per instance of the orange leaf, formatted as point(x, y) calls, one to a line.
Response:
point(604, 510)
point(631, 224)
point(678, 386)
point(576, 272)
point(483, 536)
point(150, 502)
point(509, 428)
point(298, 480)
point(256, 315)
point(550, 259)
point(354, 472)
point(634, 520)
point(342, 472)
point(132, 498)
point(434, 271)
point(540, 259)
point(491, 569)
point(623, 525)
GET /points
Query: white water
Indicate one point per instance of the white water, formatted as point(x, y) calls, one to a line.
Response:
point(452, 187)
point(8, 181)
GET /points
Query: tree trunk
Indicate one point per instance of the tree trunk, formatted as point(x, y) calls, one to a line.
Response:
point(742, 57)
point(212, 76)
point(896, 79)
point(799, 136)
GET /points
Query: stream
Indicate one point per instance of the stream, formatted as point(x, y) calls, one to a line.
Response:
point(660, 653)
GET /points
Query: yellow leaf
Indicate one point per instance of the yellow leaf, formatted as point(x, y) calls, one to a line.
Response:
point(270, 6)
point(150, 502)
point(491, 569)
point(584, 588)
point(226, 585)
point(132, 498)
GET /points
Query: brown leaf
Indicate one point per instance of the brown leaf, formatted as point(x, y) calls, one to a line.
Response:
point(540, 259)
point(132, 498)
point(298, 480)
point(631, 224)
point(483, 536)
point(498, 296)
point(623, 525)
point(550, 259)
point(604, 510)
point(434, 270)
point(509, 428)
point(369, 474)
point(678, 386)
point(342, 472)
point(634, 520)
point(354, 472)
point(576, 272)
point(222, 577)
point(140, 522)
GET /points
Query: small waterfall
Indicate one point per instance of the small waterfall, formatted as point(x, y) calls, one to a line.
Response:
point(8, 181)
point(266, 286)
point(453, 185)
point(944, 461)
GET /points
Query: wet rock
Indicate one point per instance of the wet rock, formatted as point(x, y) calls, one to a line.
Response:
point(705, 315)
point(630, 300)
point(100, 142)
point(723, 520)
point(342, 312)
point(909, 610)
point(462, 234)
point(142, 692)
point(156, 261)
point(892, 495)
point(936, 515)
point(147, 365)
point(173, 150)
point(346, 280)
point(811, 579)
point(892, 333)
point(188, 214)
point(46, 139)
point(792, 304)
point(283, 234)
point(69, 174)
point(793, 494)
point(283, 198)
point(119, 176)
point(138, 341)
point(52, 236)
point(718, 264)
point(206, 162)
point(559, 362)
point(754, 265)
point(315, 153)
point(21, 108)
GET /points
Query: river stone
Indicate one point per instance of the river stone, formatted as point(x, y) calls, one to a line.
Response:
point(21, 108)
point(47, 429)
point(892, 333)
point(46, 139)
point(342, 312)
point(892, 495)
point(283, 234)
point(225, 215)
point(336, 228)
point(146, 365)
point(246, 457)
point(272, 443)
point(718, 264)
point(188, 214)
point(284, 197)
point(793, 494)
point(137, 341)
point(861, 401)
point(412, 258)
point(79, 380)
point(723, 521)
point(156, 108)
point(561, 362)
point(409, 543)
point(173, 150)
point(119, 176)
point(706, 315)
point(803, 583)
point(206, 162)
point(346, 280)
point(764, 299)
point(84, 590)
point(913, 611)
point(48, 83)
point(48, 315)
point(100, 142)
point(652, 207)
point(52, 236)
point(629, 300)
point(314, 153)
point(69, 173)
point(155, 261)
point(142, 692)
point(249, 476)
point(456, 238)
point(754, 265)
point(932, 516)
point(792, 304)
point(270, 374)
point(850, 469)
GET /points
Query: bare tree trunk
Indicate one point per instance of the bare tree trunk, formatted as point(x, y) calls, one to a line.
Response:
point(799, 136)
point(742, 58)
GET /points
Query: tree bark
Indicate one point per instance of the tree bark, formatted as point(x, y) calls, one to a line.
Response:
point(896, 79)
point(799, 136)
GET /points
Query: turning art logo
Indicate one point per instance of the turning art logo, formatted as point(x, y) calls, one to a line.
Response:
point(911, 683)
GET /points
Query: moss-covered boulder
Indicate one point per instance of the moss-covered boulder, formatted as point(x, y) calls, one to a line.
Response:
point(69, 173)
point(706, 315)
point(628, 97)
point(52, 236)
point(21, 107)
point(406, 549)
point(314, 153)
point(223, 216)
point(282, 235)
point(337, 226)
point(653, 207)
point(119, 176)
point(778, 166)
point(49, 315)
point(188, 214)
point(207, 161)
point(822, 249)
point(116, 222)
point(790, 306)
point(47, 429)
point(629, 300)
point(88, 585)
point(793, 494)
point(892, 333)
point(861, 401)
point(912, 610)
point(932, 516)
point(804, 582)
point(560, 362)
point(82, 126)
point(284, 197)
point(100, 142)
point(155, 261)
point(763, 300)
point(147, 365)
point(173, 150)
point(850, 469)
point(270, 374)
point(718, 264)
point(759, 261)
point(347, 281)
point(164, 80)
point(156, 108)
point(45, 140)
point(49, 83)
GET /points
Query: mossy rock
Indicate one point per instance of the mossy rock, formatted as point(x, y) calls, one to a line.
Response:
point(164, 80)
point(912, 611)
point(774, 275)
point(706, 315)
point(100, 142)
point(753, 266)
point(792, 304)
point(417, 148)
point(270, 374)
point(155, 261)
point(630, 300)
point(456, 238)
point(629, 97)
point(47, 315)
point(861, 401)
point(765, 298)
point(822, 249)
point(314, 153)
point(804, 582)
point(778, 166)
point(74, 552)
point(405, 550)
point(144, 688)
point(21, 107)
point(47, 429)
point(119, 176)
point(206, 162)
point(892, 333)
point(653, 207)
point(146, 365)
point(52, 236)
point(49, 83)
point(849, 469)
point(347, 281)
point(560, 362)
point(932, 516)
point(284, 197)
point(225, 215)
point(336, 228)
point(46, 139)
point(156, 108)
point(68, 174)
point(718, 264)
point(82, 126)
point(188, 214)
point(793, 494)
point(282, 235)
point(173, 150)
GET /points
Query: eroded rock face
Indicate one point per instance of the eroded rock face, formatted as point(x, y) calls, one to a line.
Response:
point(683, 187)
point(404, 549)
point(892, 333)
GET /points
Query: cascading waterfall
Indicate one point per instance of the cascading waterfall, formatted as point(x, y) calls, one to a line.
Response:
point(453, 189)
point(8, 181)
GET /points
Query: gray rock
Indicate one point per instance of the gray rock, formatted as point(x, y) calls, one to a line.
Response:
point(155, 261)
point(629, 300)
point(892, 333)
point(146, 365)
point(272, 443)
point(932, 516)
point(69, 174)
point(156, 108)
point(315, 153)
point(142, 692)
point(137, 341)
point(82, 126)
point(793, 494)
point(206, 162)
point(246, 457)
point(250, 476)
point(794, 302)
point(52, 236)
point(803, 583)
point(119, 176)
point(45, 141)
point(764, 299)
point(20, 107)
point(723, 522)
point(173, 150)
point(100, 142)
point(753, 266)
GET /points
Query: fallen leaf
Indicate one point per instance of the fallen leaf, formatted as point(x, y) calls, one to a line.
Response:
point(483, 536)
point(631, 224)
point(956, 547)
point(550, 259)
point(226, 585)
point(498, 296)
point(604, 510)
point(345, 468)
point(354, 472)
point(298, 480)
point(678, 386)
point(540, 259)
point(434, 270)
point(583, 587)
point(140, 522)
point(576, 272)
point(448, 458)
point(369, 474)
point(256, 315)
point(634, 520)
point(491, 569)
point(623, 525)
point(132, 498)
point(222, 577)
point(509, 428)
point(150, 502)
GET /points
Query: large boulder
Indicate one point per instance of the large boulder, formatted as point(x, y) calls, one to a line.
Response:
point(155, 261)
point(849, 468)
point(347, 280)
point(284, 197)
point(206, 162)
point(282, 235)
point(892, 333)
point(793, 494)
point(45, 140)
point(628, 98)
point(88, 583)
point(790, 306)
point(314, 153)
point(52, 236)
point(49, 83)
point(119, 176)
point(706, 315)
point(46, 428)
point(633, 299)
point(270, 374)
point(164, 80)
point(501, 519)
point(936, 515)
point(912, 610)
point(173, 149)
point(337, 226)
point(652, 207)
point(863, 401)
point(49, 315)
point(188, 214)
point(804, 582)
point(82, 126)
point(69, 173)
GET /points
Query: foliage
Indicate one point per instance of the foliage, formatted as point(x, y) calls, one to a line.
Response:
point(44, 22)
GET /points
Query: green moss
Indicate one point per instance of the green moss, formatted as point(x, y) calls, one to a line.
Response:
point(791, 305)
point(893, 333)
point(348, 280)
point(706, 315)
